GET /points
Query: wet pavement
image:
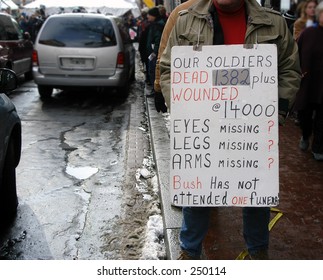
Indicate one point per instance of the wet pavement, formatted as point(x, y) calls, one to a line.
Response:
point(77, 181)
point(296, 224)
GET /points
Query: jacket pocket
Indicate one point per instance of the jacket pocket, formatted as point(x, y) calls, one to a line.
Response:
point(262, 39)
point(190, 39)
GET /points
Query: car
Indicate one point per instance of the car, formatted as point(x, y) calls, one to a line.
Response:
point(83, 50)
point(16, 47)
point(10, 147)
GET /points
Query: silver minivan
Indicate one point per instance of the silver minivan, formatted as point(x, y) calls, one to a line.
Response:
point(83, 50)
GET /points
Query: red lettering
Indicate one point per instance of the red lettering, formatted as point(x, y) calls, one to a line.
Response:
point(196, 77)
point(230, 93)
point(178, 183)
point(239, 200)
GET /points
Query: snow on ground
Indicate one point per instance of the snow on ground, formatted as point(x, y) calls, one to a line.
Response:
point(154, 245)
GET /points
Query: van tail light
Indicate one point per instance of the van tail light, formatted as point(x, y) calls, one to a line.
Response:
point(35, 58)
point(120, 60)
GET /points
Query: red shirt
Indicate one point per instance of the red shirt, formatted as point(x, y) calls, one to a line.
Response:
point(233, 24)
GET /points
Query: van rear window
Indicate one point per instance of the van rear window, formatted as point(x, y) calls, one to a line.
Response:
point(78, 32)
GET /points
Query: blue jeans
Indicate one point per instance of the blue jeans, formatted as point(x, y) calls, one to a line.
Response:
point(196, 221)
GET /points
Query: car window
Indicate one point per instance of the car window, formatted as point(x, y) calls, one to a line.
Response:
point(9, 29)
point(78, 32)
point(17, 28)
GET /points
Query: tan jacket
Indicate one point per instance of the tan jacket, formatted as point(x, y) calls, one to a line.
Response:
point(264, 26)
point(166, 32)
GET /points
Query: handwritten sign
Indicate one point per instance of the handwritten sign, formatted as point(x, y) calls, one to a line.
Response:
point(224, 126)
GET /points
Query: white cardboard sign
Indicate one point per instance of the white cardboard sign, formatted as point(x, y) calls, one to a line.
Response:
point(224, 126)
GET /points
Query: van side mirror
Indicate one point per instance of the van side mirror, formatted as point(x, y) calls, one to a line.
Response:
point(8, 80)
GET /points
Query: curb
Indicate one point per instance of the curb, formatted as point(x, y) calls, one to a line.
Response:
point(172, 216)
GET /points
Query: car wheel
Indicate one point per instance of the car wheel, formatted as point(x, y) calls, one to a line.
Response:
point(45, 91)
point(8, 192)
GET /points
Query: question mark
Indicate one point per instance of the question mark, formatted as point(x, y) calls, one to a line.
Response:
point(270, 125)
point(271, 160)
point(271, 142)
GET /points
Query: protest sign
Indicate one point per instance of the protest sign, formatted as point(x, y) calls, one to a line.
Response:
point(224, 126)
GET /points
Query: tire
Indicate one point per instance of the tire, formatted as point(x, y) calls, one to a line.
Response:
point(45, 91)
point(8, 192)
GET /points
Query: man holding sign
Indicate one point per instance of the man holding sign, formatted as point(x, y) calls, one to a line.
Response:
point(235, 80)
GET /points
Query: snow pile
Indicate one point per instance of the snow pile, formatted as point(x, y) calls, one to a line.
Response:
point(154, 248)
point(147, 185)
point(167, 121)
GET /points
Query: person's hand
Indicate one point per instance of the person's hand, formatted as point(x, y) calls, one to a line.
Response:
point(160, 102)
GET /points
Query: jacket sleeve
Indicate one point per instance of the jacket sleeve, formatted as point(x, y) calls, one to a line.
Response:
point(165, 67)
point(180, 27)
point(289, 73)
point(163, 42)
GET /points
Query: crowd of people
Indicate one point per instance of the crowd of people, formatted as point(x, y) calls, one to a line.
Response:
point(304, 19)
point(30, 24)
point(309, 99)
point(151, 27)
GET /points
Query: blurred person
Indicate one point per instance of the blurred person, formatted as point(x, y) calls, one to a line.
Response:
point(291, 15)
point(24, 23)
point(306, 19)
point(153, 40)
point(221, 22)
point(290, 18)
point(306, 12)
point(159, 98)
point(309, 101)
point(299, 7)
point(143, 27)
point(131, 25)
point(36, 21)
point(61, 10)
point(163, 12)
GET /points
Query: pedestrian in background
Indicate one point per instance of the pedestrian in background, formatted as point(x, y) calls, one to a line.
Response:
point(24, 23)
point(290, 18)
point(153, 40)
point(309, 101)
point(306, 19)
point(163, 13)
point(36, 21)
point(142, 42)
point(218, 22)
